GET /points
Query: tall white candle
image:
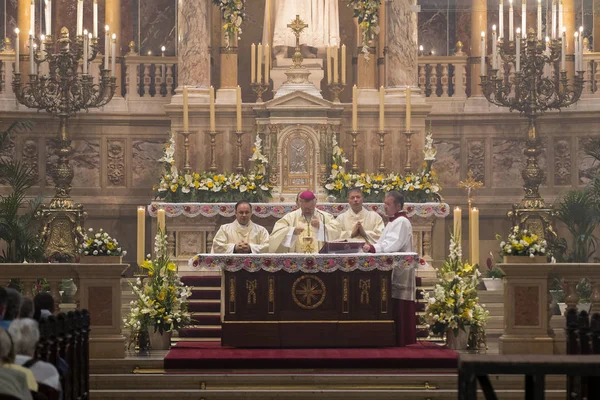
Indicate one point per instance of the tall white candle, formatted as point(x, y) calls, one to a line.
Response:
point(32, 17)
point(113, 54)
point(343, 72)
point(238, 108)
point(161, 220)
point(186, 120)
point(511, 34)
point(408, 107)
point(48, 17)
point(563, 59)
point(539, 20)
point(106, 44)
point(494, 48)
point(141, 234)
point(79, 17)
point(328, 55)
point(95, 23)
point(163, 69)
point(31, 64)
point(85, 51)
point(560, 14)
point(354, 108)
point(501, 19)
point(259, 63)
point(482, 72)
point(547, 68)
point(524, 18)
point(576, 34)
point(554, 19)
point(17, 50)
point(211, 97)
point(267, 63)
point(381, 108)
point(581, 48)
point(336, 78)
point(253, 63)
point(518, 51)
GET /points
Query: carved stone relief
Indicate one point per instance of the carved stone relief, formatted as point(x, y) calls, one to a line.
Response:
point(116, 162)
point(562, 162)
point(476, 159)
point(30, 156)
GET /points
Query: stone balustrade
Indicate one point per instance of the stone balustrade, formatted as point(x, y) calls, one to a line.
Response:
point(527, 302)
point(98, 291)
point(443, 77)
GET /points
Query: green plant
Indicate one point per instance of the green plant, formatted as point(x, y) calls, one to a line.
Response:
point(493, 271)
point(18, 229)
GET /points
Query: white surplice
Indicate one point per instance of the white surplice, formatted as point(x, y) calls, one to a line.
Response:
point(283, 239)
point(396, 237)
point(231, 234)
point(371, 222)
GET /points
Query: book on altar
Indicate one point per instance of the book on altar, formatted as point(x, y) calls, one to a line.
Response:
point(342, 246)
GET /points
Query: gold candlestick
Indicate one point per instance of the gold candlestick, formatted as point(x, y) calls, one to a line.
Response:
point(336, 89)
point(186, 149)
point(354, 134)
point(240, 168)
point(381, 148)
point(213, 145)
point(259, 88)
point(408, 134)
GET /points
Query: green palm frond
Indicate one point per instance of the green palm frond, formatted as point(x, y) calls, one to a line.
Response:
point(592, 149)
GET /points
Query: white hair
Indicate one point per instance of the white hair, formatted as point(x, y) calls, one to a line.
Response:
point(26, 334)
point(6, 348)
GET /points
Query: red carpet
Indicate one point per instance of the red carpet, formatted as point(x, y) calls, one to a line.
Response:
point(199, 355)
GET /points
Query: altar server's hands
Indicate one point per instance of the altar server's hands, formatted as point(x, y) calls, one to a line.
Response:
point(298, 231)
point(315, 222)
point(242, 247)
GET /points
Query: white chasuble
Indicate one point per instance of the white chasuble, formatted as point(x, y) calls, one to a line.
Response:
point(310, 240)
point(231, 234)
point(371, 222)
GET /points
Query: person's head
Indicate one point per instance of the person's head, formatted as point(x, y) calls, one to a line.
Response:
point(3, 300)
point(243, 212)
point(394, 202)
point(307, 203)
point(13, 305)
point(42, 301)
point(355, 199)
point(7, 350)
point(26, 334)
point(26, 308)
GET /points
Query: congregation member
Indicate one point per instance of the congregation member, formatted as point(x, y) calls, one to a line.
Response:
point(27, 308)
point(8, 360)
point(43, 306)
point(397, 234)
point(13, 305)
point(305, 229)
point(3, 300)
point(358, 223)
point(242, 235)
point(12, 382)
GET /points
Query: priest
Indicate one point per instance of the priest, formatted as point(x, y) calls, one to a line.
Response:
point(242, 235)
point(357, 223)
point(304, 230)
point(397, 234)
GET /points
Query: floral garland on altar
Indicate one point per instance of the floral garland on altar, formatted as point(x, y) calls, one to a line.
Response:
point(417, 187)
point(234, 12)
point(367, 12)
point(209, 187)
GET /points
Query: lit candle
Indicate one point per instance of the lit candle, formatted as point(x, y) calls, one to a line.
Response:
point(494, 48)
point(141, 234)
point(547, 69)
point(31, 64)
point(501, 19)
point(34, 70)
point(474, 235)
point(163, 69)
point(354, 108)
point(259, 65)
point(539, 20)
point(85, 51)
point(482, 72)
point(211, 96)
point(186, 120)
point(524, 17)
point(563, 58)
point(79, 17)
point(267, 63)
point(162, 220)
point(511, 35)
point(457, 223)
point(106, 44)
point(381, 108)
point(343, 64)
point(95, 22)
point(48, 17)
point(408, 108)
point(328, 48)
point(253, 63)
point(336, 78)
point(17, 50)
point(560, 14)
point(113, 54)
point(581, 48)
point(238, 108)
point(32, 18)
point(553, 19)
point(518, 52)
point(576, 34)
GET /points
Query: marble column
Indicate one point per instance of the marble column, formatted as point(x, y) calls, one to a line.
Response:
point(402, 38)
point(478, 24)
point(381, 45)
point(596, 25)
point(193, 56)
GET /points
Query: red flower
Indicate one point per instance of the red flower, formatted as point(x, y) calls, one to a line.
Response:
point(195, 262)
point(267, 261)
point(223, 208)
point(208, 260)
point(351, 261)
point(186, 208)
point(229, 261)
point(375, 208)
point(390, 260)
point(310, 262)
point(422, 261)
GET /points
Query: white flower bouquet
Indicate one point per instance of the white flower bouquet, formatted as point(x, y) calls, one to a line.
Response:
point(99, 244)
point(521, 242)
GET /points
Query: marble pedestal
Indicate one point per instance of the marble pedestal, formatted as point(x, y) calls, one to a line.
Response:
point(314, 65)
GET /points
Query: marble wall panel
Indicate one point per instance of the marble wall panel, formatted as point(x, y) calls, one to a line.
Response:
point(11, 19)
point(508, 161)
point(157, 26)
point(115, 162)
point(86, 163)
point(562, 162)
point(476, 159)
point(30, 155)
point(433, 26)
point(588, 167)
point(447, 164)
point(146, 168)
point(462, 21)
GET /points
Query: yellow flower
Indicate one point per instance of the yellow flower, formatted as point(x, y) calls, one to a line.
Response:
point(172, 266)
point(334, 166)
point(150, 273)
point(161, 295)
point(210, 184)
point(468, 267)
point(407, 179)
point(147, 264)
point(216, 178)
point(110, 245)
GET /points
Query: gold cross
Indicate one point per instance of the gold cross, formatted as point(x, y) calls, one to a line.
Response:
point(470, 185)
point(297, 26)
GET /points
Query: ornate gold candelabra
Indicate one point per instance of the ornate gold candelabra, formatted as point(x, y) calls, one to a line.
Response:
point(408, 165)
point(354, 134)
point(63, 91)
point(531, 94)
point(187, 168)
point(213, 146)
point(259, 88)
point(336, 89)
point(238, 142)
point(381, 149)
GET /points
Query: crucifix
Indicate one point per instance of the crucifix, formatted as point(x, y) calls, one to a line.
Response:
point(470, 185)
point(297, 26)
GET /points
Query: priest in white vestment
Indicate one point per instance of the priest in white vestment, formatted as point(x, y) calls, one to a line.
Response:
point(242, 235)
point(358, 223)
point(304, 230)
point(397, 234)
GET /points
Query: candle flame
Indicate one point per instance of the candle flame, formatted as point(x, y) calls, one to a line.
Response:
point(482, 34)
point(494, 27)
point(17, 31)
point(106, 28)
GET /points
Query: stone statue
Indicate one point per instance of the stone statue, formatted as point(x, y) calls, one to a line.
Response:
point(322, 17)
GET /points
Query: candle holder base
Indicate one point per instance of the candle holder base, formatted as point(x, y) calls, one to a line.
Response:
point(213, 145)
point(186, 148)
point(381, 134)
point(336, 89)
point(238, 135)
point(259, 89)
point(354, 134)
point(408, 165)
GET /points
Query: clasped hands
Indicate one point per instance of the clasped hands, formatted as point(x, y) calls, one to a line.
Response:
point(314, 222)
point(242, 247)
point(358, 230)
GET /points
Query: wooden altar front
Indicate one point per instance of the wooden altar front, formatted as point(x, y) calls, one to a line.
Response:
point(298, 300)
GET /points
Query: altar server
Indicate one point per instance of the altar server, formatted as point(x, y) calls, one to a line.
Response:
point(242, 235)
point(397, 235)
point(305, 229)
point(357, 223)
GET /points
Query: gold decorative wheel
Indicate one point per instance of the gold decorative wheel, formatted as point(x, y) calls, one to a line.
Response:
point(308, 292)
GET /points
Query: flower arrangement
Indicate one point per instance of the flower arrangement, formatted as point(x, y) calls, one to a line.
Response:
point(209, 187)
point(161, 299)
point(493, 271)
point(233, 13)
point(367, 12)
point(521, 242)
point(453, 303)
point(417, 187)
point(99, 244)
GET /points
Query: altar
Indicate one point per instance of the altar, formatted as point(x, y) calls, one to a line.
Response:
point(315, 300)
